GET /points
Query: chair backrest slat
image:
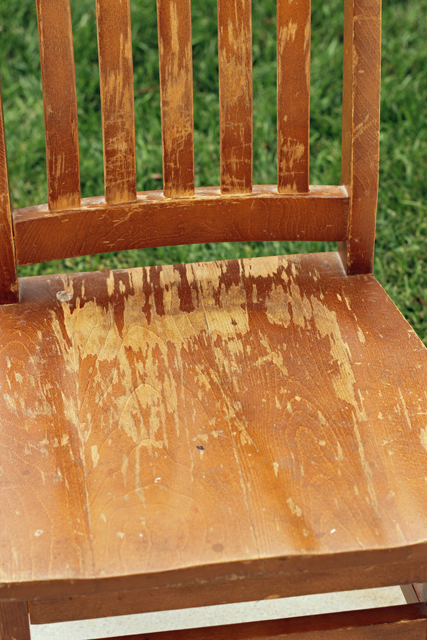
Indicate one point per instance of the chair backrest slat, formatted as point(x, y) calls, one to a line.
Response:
point(8, 277)
point(60, 104)
point(235, 94)
point(360, 132)
point(176, 90)
point(117, 99)
point(293, 95)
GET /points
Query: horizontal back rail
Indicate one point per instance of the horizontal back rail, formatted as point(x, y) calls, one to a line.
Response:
point(60, 104)
point(8, 276)
point(154, 221)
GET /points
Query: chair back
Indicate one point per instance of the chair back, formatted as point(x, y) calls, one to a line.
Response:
point(237, 210)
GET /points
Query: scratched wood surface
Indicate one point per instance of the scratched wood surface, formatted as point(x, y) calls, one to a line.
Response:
point(8, 276)
point(176, 90)
point(153, 221)
point(388, 623)
point(14, 621)
point(293, 95)
point(117, 99)
point(60, 104)
point(208, 422)
point(360, 129)
point(235, 94)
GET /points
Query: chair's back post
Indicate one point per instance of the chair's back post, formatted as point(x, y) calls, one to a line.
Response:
point(8, 276)
point(360, 129)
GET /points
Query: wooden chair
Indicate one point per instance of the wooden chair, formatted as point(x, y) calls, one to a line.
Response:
point(219, 432)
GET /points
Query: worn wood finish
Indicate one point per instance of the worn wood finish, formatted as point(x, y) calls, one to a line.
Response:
point(60, 104)
point(388, 623)
point(117, 99)
point(8, 276)
point(176, 90)
point(235, 94)
point(14, 621)
point(360, 133)
point(155, 221)
point(293, 95)
point(197, 423)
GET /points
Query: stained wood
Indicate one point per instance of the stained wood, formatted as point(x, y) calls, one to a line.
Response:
point(235, 94)
point(209, 423)
point(8, 277)
point(117, 99)
point(388, 623)
point(14, 621)
point(293, 95)
point(360, 134)
point(176, 90)
point(155, 221)
point(101, 603)
point(60, 104)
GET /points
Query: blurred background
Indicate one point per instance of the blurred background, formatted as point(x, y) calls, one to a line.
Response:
point(401, 241)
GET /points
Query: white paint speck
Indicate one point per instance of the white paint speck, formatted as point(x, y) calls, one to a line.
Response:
point(333, 530)
point(38, 532)
point(157, 480)
point(64, 296)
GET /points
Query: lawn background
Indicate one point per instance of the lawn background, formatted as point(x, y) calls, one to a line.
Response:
point(401, 243)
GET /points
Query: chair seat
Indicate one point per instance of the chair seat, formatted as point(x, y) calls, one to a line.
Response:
point(200, 418)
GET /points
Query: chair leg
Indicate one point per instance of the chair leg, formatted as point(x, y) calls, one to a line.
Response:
point(14, 621)
point(416, 592)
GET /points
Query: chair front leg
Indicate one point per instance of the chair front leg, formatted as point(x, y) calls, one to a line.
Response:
point(14, 621)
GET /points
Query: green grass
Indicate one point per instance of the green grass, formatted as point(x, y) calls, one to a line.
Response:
point(402, 209)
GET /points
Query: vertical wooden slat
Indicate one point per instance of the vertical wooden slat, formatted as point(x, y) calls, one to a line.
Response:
point(360, 129)
point(235, 94)
point(60, 104)
point(14, 621)
point(117, 99)
point(176, 90)
point(8, 277)
point(293, 95)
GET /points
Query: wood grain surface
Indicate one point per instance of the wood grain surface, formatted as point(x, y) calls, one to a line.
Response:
point(14, 621)
point(8, 276)
point(293, 95)
point(155, 221)
point(101, 603)
point(117, 99)
point(209, 423)
point(235, 94)
point(176, 91)
point(60, 104)
point(391, 623)
point(360, 133)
